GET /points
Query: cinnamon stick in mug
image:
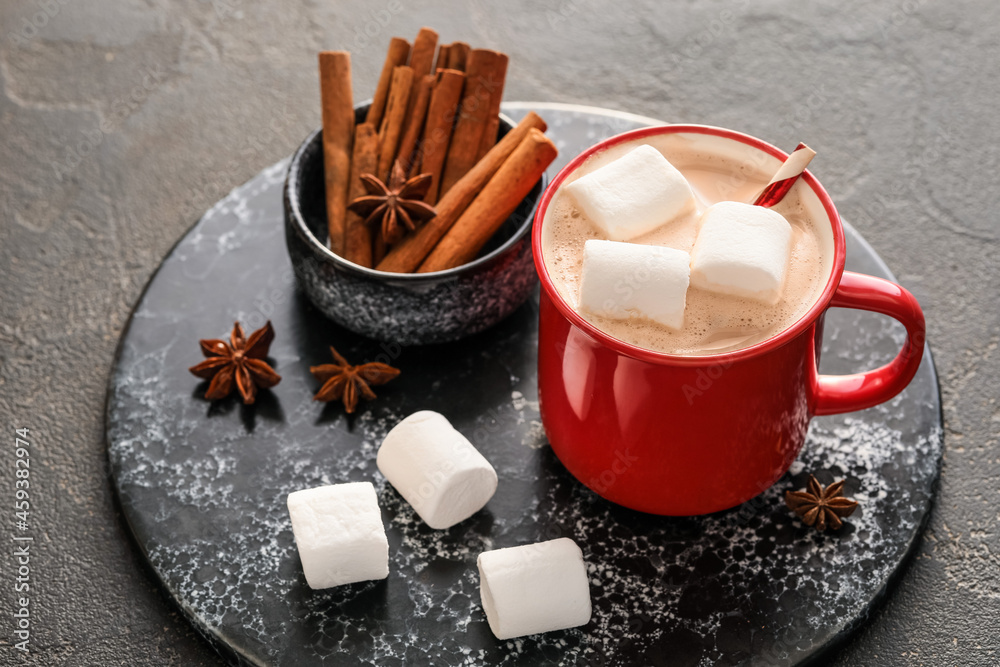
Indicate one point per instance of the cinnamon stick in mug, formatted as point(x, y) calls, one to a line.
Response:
point(399, 52)
point(436, 138)
point(364, 160)
point(498, 199)
point(495, 89)
point(458, 54)
point(422, 55)
point(414, 123)
point(379, 247)
point(484, 71)
point(442, 59)
point(407, 255)
point(392, 122)
point(338, 134)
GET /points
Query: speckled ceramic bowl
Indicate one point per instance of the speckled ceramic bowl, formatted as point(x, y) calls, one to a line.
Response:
point(405, 308)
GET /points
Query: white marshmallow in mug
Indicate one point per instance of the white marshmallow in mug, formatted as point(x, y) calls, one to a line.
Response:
point(632, 195)
point(339, 534)
point(534, 588)
point(436, 469)
point(742, 250)
point(623, 280)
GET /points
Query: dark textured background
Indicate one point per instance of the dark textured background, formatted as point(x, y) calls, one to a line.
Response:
point(122, 120)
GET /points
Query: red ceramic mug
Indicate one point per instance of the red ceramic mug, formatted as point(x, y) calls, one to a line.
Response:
point(684, 435)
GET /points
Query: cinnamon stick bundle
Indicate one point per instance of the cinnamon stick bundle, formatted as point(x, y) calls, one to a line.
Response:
point(485, 70)
point(379, 247)
point(338, 135)
point(442, 59)
point(408, 254)
point(364, 160)
point(422, 56)
point(414, 125)
point(495, 89)
point(458, 54)
point(399, 52)
point(438, 125)
point(392, 122)
point(498, 199)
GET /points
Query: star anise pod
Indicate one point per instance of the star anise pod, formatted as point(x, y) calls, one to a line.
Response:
point(240, 362)
point(395, 206)
point(821, 507)
point(342, 381)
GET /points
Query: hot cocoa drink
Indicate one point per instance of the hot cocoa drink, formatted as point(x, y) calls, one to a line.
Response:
point(681, 302)
point(751, 275)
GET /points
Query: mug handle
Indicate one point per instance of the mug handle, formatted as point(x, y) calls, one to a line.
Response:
point(833, 394)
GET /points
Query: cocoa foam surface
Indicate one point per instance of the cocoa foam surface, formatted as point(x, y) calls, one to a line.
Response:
point(713, 323)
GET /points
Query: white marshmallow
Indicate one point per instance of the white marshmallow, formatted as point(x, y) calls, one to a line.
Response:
point(339, 534)
point(623, 280)
point(534, 588)
point(742, 250)
point(436, 469)
point(632, 195)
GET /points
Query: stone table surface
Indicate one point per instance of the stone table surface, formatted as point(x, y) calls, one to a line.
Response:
point(121, 121)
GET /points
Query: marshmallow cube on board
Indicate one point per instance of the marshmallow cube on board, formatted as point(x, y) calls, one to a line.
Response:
point(623, 280)
point(436, 469)
point(339, 534)
point(742, 250)
point(534, 588)
point(632, 195)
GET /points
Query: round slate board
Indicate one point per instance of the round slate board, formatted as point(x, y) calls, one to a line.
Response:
point(203, 485)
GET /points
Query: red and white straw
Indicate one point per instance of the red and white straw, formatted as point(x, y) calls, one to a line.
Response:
point(785, 177)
